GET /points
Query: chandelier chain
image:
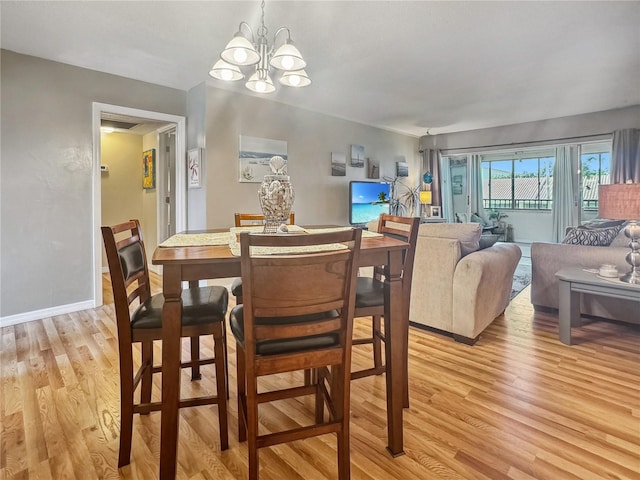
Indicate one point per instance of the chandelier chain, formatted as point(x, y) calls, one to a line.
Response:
point(262, 30)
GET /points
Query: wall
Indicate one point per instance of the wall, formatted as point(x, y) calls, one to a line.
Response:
point(122, 184)
point(320, 198)
point(46, 196)
point(537, 226)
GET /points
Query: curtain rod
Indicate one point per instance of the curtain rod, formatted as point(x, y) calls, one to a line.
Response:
point(597, 136)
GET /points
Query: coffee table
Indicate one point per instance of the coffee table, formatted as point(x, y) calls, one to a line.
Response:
point(573, 282)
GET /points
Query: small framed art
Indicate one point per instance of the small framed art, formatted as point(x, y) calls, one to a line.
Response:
point(435, 211)
point(194, 167)
point(149, 169)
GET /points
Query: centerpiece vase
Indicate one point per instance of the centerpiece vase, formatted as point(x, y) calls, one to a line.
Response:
point(276, 196)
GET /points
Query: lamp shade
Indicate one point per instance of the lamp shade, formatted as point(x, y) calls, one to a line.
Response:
point(225, 71)
point(298, 78)
point(239, 51)
point(260, 85)
point(619, 201)
point(288, 58)
point(425, 196)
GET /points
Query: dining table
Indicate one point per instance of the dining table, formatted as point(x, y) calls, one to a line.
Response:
point(192, 262)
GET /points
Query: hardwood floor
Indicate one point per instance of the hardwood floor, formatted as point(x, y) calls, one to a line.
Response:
point(517, 405)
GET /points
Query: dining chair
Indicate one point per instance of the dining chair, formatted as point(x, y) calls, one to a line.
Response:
point(297, 314)
point(245, 220)
point(370, 293)
point(203, 313)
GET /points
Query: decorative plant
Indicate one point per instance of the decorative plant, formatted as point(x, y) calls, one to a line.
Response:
point(404, 199)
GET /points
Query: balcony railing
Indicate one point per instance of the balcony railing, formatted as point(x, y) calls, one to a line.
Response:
point(530, 204)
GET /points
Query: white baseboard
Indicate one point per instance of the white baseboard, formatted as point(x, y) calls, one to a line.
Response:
point(45, 313)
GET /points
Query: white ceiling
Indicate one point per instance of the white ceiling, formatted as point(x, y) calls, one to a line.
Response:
point(403, 66)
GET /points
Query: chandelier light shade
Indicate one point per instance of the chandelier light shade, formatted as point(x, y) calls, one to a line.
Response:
point(621, 201)
point(257, 52)
point(298, 78)
point(225, 71)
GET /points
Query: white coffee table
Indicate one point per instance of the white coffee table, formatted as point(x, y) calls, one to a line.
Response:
point(573, 282)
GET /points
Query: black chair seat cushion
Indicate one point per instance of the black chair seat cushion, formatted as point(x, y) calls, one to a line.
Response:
point(236, 287)
point(369, 292)
point(284, 345)
point(200, 305)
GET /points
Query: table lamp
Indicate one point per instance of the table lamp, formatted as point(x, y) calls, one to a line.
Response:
point(621, 201)
point(425, 199)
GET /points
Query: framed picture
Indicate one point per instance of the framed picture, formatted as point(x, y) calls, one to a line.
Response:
point(253, 157)
point(374, 168)
point(149, 169)
point(338, 164)
point(402, 169)
point(435, 211)
point(456, 185)
point(194, 167)
point(357, 156)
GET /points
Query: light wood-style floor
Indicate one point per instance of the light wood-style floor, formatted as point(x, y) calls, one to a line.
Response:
point(517, 405)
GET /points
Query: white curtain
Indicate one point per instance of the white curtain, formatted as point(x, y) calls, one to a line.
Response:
point(447, 193)
point(564, 211)
point(475, 186)
point(625, 156)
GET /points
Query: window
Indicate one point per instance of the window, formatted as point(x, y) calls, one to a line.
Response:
point(595, 169)
point(518, 180)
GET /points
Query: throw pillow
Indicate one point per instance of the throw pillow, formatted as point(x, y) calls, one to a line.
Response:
point(595, 237)
point(602, 223)
point(475, 218)
point(468, 234)
point(487, 241)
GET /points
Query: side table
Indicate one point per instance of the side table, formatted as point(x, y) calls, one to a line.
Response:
point(573, 282)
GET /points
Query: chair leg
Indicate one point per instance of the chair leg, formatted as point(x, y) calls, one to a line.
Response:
point(340, 397)
point(221, 385)
point(195, 357)
point(252, 427)
point(377, 342)
point(147, 375)
point(241, 393)
point(226, 357)
point(126, 412)
point(319, 381)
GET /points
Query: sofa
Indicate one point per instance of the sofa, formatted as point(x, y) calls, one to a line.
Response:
point(457, 287)
point(548, 258)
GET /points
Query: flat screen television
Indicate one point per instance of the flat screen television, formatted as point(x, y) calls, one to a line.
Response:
point(367, 200)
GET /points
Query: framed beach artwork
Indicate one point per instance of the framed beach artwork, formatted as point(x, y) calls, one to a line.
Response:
point(149, 169)
point(194, 167)
point(253, 157)
point(357, 156)
point(338, 164)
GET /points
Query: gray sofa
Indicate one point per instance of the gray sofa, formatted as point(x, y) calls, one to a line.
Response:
point(548, 258)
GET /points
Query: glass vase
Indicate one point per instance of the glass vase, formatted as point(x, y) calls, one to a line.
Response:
point(276, 199)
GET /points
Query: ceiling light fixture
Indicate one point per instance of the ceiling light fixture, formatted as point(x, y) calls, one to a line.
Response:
point(240, 52)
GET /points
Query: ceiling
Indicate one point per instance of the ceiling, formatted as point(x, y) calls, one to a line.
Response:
point(403, 66)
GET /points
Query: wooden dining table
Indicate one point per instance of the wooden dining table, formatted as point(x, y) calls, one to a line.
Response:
point(193, 263)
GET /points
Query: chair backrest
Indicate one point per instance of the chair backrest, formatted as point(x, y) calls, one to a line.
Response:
point(245, 219)
point(406, 229)
point(127, 261)
point(285, 285)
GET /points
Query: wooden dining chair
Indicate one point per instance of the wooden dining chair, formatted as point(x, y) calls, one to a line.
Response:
point(245, 220)
point(203, 313)
point(297, 314)
point(370, 292)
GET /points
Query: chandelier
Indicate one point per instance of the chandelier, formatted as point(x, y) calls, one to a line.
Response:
point(240, 52)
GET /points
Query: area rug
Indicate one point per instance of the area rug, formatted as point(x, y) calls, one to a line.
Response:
point(521, 278)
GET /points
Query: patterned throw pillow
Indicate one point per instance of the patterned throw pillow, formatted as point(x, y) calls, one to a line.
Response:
point(595, 237)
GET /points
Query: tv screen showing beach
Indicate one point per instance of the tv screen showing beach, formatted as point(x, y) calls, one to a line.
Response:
point(367, 201)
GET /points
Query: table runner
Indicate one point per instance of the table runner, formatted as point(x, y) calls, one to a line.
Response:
point(231, 238)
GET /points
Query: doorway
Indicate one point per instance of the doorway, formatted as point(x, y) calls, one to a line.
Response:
point(170, 179)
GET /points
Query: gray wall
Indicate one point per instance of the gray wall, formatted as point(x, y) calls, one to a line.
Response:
point(46, 184)
point(311, 137)
point(530, 226)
